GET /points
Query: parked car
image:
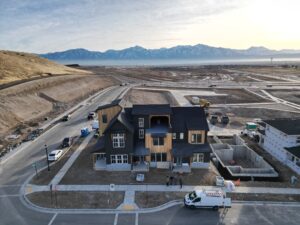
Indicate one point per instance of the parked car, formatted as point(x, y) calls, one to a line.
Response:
point(214, 199)
point(225, 119)
point(54, 155)
point(212, 85)
point(91, 115)
point(66, 117)
point(214, 119)
point(67, 142)
point(85, 132)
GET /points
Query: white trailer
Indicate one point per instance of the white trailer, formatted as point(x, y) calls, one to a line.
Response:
point(207, 199)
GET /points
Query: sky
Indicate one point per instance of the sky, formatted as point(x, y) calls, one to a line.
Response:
point(42, 26)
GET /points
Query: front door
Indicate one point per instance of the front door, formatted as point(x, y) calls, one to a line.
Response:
point(178, 161)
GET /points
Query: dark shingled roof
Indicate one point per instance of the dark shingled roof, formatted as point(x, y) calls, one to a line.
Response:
point(151, 109)
point(186, 149)
point(140, 149)
point(191, 118)
point(294, 151)
point(288, 126)
point(122, 118)
point(113, 103)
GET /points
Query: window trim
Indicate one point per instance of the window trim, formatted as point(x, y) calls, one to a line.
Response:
point(119, 159)
point(195, 141)
point(118, 140)
point(160, 141)
point(106, 119)
point(141, 122)
point(181, 136)
point(197, 156)
point(174, 135)
point(141, 133)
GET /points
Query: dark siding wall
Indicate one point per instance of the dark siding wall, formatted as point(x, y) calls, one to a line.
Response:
point(118, 127)
point(135, 123)
point(178, 140)
point(206, 157)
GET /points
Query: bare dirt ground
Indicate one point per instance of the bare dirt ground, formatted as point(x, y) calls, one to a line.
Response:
point(233, 96)
point(288, 95)
point(26, 104)
point(239, 116)
point(77, 200)
point(137, 96)
point(16, 66)
point(84, 165)
point(285, 173)
point(178, 73)
point(277, 70)
point(44, 176)
point(154, 199)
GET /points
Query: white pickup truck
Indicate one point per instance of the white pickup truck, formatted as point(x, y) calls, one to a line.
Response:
point(207, 199)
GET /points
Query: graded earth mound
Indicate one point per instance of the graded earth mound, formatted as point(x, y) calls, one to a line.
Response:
point(15, 66)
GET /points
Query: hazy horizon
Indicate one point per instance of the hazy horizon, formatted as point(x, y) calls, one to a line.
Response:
point(49, 26)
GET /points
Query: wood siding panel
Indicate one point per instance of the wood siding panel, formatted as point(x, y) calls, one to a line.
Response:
point(202, 132)
point(111, 113)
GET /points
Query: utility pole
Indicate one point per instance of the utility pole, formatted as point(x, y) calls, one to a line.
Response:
point(46, 149)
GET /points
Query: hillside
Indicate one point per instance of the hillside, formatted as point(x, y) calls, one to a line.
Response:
point(16, 66)
point(199, 51)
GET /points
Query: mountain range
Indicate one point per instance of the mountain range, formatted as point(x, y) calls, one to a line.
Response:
point(199, 51)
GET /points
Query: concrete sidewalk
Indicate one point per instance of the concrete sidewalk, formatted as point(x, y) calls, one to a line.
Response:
point(61, 173)
point(163, 188)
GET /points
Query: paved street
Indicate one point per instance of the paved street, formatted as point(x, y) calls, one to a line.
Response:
point(15, 172)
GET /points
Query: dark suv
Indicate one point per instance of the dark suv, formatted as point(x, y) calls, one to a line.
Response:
point(67, 142)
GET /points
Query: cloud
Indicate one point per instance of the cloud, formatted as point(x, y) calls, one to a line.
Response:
point(51, 25)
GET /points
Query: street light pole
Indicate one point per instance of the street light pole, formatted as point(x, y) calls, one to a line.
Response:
point(47, 157)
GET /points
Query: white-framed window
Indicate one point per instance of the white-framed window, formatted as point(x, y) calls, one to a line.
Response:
point(181, 136)
point(118, 159)
point(198, 157)
point(118, 140)
point(141, 133)
point(174, 136)
point(158, 141)
point(196, 139)
point(141, 122)
point(159, 157)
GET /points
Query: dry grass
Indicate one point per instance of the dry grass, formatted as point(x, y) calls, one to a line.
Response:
point(19, 66)
point(77, 200)
point(154, 199)
point(136, 96)
point(39, 98)
point(84, 165)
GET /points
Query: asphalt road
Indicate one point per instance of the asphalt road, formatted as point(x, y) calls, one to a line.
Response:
point(15, 171)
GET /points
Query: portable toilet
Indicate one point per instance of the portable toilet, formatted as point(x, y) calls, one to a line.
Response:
point(85, 132)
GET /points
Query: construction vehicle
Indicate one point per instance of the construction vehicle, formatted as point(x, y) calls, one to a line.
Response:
point(204, 103)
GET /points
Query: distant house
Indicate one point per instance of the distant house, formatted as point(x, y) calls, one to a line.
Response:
point(158, 136)
point(281, 138)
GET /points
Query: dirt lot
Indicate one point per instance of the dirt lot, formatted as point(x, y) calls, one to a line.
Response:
point(77, 200)
point(137, 96)
point(234, 96)
point(288, 95)
point(28, 103)
point(276, 70)
point(154, 176)
point(153, 199)
point(264, 197)
point(285, 173)
point(176, 73)
point(44, 176)
point(239, 116)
